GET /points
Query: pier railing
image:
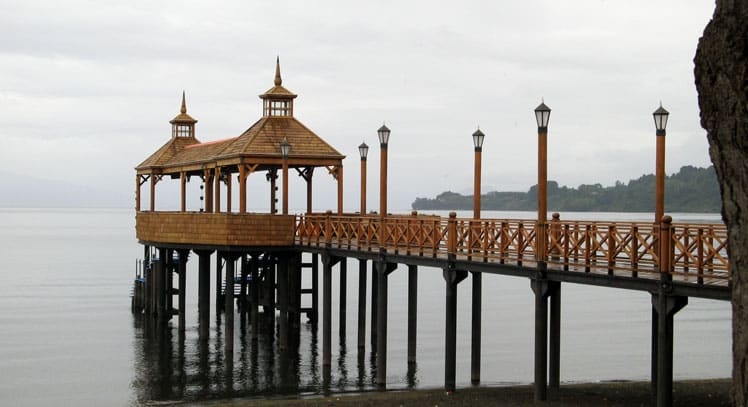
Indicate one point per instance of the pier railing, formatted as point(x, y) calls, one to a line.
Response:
point(695, 252)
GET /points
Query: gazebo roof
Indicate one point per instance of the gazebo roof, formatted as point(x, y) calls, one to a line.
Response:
point(259, 143)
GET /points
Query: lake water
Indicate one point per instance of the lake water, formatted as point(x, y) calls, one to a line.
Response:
point(67, 336)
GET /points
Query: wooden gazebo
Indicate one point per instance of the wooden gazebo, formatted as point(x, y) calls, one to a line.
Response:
point(258, 149)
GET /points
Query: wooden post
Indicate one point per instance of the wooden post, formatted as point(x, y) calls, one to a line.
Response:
point(412, 312)
point(255, 295)
point(542, 194)
point(219, 272)
point(242, 188)
point(229, 305)
point(383, 180)
point(283, 301)
point(153, 192)
point(327, 264)
point(203, 292)
point(540, 288)
point(285, 186)
point(361, 303)
point(374, 306)
point(228, 192)
point(660, 177)
point(476, 325)
point(343, 268)
point(137, 192)
point(363, 186)
point(208, 190)
point(476, 183)
point(183, 191)
point(182, 288)
point(315, 288)
point(272, 177)
point(161, 285)
point(340, 188)
point(217, 192)
point(383, 271)
point(452, 277)
point(554, 347)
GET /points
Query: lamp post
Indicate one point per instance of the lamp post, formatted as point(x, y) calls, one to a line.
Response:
point(542, 114)
point(477, 278)
point(363, 149)
point(660, 118)
point(285, 148)
point(384, 138)
point(478, 137)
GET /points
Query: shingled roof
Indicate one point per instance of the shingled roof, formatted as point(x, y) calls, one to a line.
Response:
point(261, 140)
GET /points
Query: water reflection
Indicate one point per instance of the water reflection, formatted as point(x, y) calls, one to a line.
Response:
point(191, 366)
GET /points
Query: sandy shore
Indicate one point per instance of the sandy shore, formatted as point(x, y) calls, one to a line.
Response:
point(710, 393)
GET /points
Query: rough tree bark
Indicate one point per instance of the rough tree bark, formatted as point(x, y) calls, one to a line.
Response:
point(721, 71)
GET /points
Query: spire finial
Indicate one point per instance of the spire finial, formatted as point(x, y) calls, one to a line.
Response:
point(278, 79)
point(184, 105)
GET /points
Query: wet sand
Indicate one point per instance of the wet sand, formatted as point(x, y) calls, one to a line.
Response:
point(715, 392)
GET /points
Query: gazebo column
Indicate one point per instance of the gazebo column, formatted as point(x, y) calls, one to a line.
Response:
point(272, 176)
point(307, 174)
point(228, 192)
point(137, 192)
point(242, 188)
point(217, 192)
point(183, 191)
point(208, 191)
point(339, 178)
point(153, 192)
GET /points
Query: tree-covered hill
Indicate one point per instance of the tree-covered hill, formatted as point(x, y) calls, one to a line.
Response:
point(691, 189)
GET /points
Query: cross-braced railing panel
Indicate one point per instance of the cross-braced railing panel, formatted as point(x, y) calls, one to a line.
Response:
point(698, 253)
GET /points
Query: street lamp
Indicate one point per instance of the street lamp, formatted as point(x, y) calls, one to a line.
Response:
point(285, 148)
point(660, 118)
point(384, 138)
point(478, 138)
point(363, 149)
point(542, 114)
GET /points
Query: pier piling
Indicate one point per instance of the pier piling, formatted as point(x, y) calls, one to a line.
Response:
point(452, 277)
point(476, 327)
point(412, 312)
point(361, 304)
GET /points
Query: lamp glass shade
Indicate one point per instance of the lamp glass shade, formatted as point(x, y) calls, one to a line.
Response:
point(285, 148)
point(478, 137)
point(660, 118)
point(542, 114)
point(384, 135)
point(363, 149)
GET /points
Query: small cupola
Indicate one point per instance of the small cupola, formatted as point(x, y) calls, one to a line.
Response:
point(183, 125)
point(277, 101)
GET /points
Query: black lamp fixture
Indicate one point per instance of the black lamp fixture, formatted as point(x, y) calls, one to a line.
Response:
point(363, 149)
point(660, 117)
point(384, 135)
point(542, 114)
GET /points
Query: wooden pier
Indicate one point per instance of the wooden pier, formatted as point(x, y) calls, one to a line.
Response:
point(262, 253)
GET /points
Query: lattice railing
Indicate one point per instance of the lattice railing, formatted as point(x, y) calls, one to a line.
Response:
point(696, 252)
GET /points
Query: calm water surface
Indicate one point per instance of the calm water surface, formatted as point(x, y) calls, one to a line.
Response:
point(68, 336)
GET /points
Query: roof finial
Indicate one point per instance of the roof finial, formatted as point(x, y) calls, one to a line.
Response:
point(184, 105)
point(278, 79)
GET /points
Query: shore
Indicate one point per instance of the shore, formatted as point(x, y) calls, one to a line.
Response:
point(712, 392)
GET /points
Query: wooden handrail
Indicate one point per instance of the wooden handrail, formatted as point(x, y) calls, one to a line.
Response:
point(631, 249)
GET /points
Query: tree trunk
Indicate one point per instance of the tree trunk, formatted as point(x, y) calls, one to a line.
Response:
point(721, 71)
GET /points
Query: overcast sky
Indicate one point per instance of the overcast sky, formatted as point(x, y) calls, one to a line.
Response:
point(87, 88)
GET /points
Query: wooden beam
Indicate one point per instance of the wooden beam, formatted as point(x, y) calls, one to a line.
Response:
point(183, 191)
point(137, 192)
point(217, 192)
point(242, 188)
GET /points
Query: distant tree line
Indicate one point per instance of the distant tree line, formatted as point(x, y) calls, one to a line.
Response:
point(692, 189)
